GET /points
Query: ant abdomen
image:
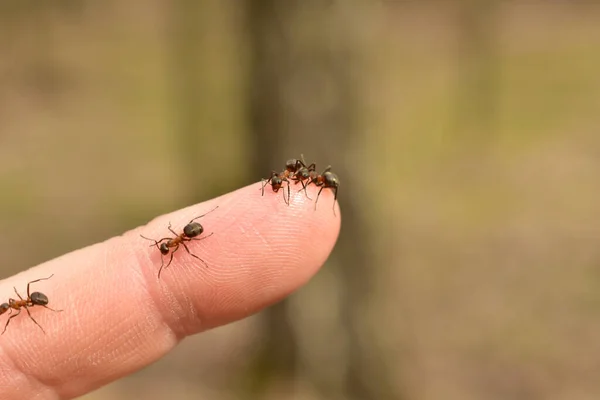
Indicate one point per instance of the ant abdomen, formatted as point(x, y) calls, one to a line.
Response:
point(192, 230)
point(292, 164)
point(39, 299)
point(331, 180)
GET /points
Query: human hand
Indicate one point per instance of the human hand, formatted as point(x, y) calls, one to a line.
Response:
point(118, 317)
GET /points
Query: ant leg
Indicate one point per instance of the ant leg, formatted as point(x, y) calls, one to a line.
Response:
point(306, 185)
point(51, 309)
point(288, 200)
point(19, 294)
point(318, 194)
point(311, 167)
point(203, 215)
point(37, 280)
point(303, 188)
point(264, 182)
point(335, 190)
point(8, 321)
point(162, 264)
point(172, 231)
point(302, 160)
point(172, 254)
point(156, 243)
point(27, 309)
point(203, 237)
point(169, 263)
point(152, 240)
point(193, 255)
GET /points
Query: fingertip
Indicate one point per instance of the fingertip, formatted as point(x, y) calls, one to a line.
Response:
point(261, 251)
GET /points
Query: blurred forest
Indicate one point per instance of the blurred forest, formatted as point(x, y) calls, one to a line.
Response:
point(465, 135)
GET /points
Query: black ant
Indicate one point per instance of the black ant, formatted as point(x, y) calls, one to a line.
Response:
point(190, 231)
point(326, 179)
point(33, 299)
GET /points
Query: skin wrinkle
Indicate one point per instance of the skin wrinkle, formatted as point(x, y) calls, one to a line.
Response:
point(151, 311)
point(37, 383)
point(78, 353)
point(120, 331)
point(172, 320)
point(145, 287)
point(76, 326)
point(9, 372)
point(261, 237)
point(172, 315)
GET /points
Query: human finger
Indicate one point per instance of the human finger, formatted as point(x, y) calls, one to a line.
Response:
point(118, 317)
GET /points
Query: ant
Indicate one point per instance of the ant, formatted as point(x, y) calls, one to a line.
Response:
point(326, 179)
point(276, 180)
point(190, 231)
point(295, 170)
point(299, 171)
point(33, 299)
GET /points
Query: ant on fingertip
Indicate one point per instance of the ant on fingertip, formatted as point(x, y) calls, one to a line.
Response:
point(33, 299)
point(299, 171)
point(326, 179)
point(295, 170)
point(171, 244)
point(276, 181)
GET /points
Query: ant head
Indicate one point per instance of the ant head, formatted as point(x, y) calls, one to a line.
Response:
point(39, 299)
point(276, 182)
point(193, 229)
point(164, 249)
point(331, 180)
point(4, 308)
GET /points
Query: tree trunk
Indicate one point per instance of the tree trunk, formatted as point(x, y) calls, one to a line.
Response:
point(304, 98)
point(276, 360)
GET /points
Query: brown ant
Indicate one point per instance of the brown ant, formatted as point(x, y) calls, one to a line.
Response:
point(33, 299)
point(295, 170)
point(190, 231)
point(299, 171)
point(276, 180)
point(326, 179)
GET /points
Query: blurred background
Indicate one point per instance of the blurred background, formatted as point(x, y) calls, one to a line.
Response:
point(465, 135)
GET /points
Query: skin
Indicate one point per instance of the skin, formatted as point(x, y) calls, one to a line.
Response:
point(118, 317)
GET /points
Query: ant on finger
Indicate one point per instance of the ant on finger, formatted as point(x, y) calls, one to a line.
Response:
point(299, 171)
point(33, 299)
point(276, 180)
point(295, 170)
point(326, 179)
point(190, 233)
